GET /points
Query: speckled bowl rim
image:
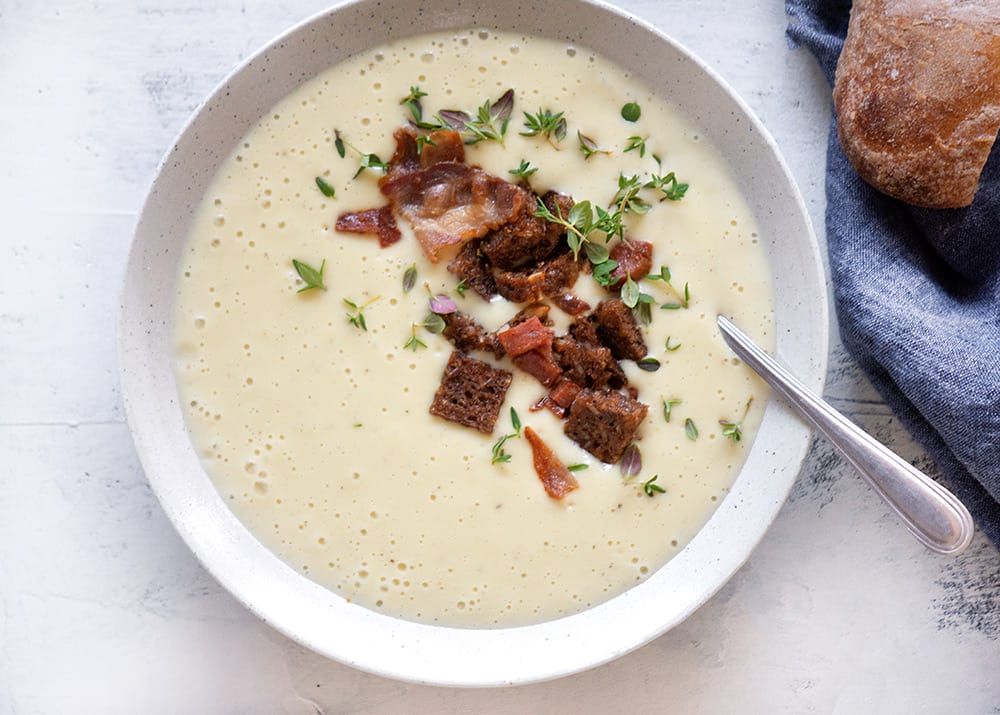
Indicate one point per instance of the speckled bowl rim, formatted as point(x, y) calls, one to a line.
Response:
point(322, 620)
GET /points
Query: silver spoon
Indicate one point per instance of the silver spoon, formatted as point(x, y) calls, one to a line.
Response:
point(934, 515)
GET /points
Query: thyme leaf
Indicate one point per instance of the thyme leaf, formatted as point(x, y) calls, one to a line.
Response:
point(500, 455)
point(524, 170)
point(631, 112)
point(668, 406)
point(409, 278)
point(546, 125)
point(312, 277)
point(652, 489)
point(649, 364)
point(734, 430)
point(357, 318)
point(690, 429)
point(636, 143)
point(327, 190)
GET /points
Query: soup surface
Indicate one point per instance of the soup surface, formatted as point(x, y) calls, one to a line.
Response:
point(314, 424)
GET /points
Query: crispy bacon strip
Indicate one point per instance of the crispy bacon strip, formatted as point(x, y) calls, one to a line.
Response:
point(450, 202)
point(557, 480)
point(375, 222)
point(525, 337)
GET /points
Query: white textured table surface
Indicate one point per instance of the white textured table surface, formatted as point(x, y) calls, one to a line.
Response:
point(103, 609)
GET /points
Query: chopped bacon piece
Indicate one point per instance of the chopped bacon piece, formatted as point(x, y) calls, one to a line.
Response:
point(635, 258)
point(449, 202)
point(571, 304)
point(445, 200)
point(539, 364)
point(525, 337)
point(564, 392)
point(442, 145)
point(375, 222)
point(556, 478)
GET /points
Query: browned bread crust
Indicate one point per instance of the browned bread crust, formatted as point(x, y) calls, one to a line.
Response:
point(917, 96)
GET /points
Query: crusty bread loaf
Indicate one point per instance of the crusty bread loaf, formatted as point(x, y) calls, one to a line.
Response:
point(917, 96)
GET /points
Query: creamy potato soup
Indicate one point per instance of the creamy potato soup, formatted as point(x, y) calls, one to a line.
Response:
point(310, 408)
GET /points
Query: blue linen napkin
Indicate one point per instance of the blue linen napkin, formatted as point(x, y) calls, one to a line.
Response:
point(917, 293)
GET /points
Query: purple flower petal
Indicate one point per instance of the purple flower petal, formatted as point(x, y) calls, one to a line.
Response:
point(442, 305)
point(631, 461)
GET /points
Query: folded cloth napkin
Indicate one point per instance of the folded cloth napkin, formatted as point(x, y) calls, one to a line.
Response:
point(917, 293)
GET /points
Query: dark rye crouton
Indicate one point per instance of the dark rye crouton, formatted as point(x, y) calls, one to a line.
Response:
point(617, 328)
point(587, 365)
point(528, 238)
point(550, 277)
point(604, 422)
point(473, 267)
point(471, 392)
point(467, 335)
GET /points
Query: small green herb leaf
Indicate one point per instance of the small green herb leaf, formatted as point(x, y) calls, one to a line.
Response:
point(652, 489)
point(312, 277)
point(630, 292)
point(690, 429)
point(434, 323)
point(327, 190)
point(636, 143)
point(515, 421)
point(461, 287)
point(588, 146)
point(524, 170)
point(546, 124)
point(578, 467)
point(668, 406)
point(631, 112)
point(409, 278)
point(668, 347)
point(649, 364)
point(338, 143)
point(357, 317)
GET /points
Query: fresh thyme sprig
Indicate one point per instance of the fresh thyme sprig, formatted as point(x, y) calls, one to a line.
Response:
point(668, 407)
point(683, 298)
point(734, 430)
point(357, 318)
point(414, 343)
point(668, 185)
point(588, 146)
point(500, 455)
point(312, 277)
point(636, 143)
point(368, 161)
point(652, 489)
point(489, 124)
point(524, 170)
point(546, 125)
point(412, 102)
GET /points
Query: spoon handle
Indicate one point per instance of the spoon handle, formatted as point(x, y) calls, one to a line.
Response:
point(934, 515)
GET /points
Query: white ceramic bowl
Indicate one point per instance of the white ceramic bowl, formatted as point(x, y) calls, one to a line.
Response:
point(319, 618)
